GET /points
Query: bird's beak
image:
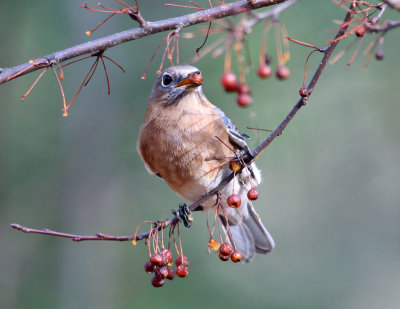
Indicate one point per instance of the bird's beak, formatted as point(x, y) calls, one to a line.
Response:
point(193, 79)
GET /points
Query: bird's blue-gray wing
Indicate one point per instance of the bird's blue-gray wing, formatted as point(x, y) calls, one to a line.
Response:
point(235, 136)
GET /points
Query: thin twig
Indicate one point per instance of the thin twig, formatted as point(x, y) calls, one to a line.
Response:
point(101, 236)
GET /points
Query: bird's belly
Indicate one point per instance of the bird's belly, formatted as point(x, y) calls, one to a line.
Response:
point(196, 187)
point(188, 173)
point(189, 156)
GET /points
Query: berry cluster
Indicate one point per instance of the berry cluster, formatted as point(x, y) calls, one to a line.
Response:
point(160, 264)
point(231, 83)
point(225, 251)
point(160, 259)
point(234, 83)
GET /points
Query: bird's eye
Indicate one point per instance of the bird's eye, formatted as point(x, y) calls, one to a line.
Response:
point(166, 80)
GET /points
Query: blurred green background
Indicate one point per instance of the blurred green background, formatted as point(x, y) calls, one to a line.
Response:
point(330, 195)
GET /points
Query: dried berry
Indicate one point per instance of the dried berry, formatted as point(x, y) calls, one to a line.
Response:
point(214, 245)
point(229, 81)
point(243, 88)
point(223, 257)
point(182, 271)
point(303, 92)
point(157, 282)
point(157, 259)
point(268, 59)
point(149, 267)
point(243, 99)
point(235, 166)
point(196, 79)
point(264, 71)
point(162, 272)
point(282, 72)
point(168, 254)
point(234, 201)
point(226, 249)
point(181, 259)
point(252, 194)
point(171, 273)
point(236, 256)
point(379, 55)
point(360, 31)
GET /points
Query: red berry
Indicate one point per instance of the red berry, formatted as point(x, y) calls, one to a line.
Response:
point(171, 273)
point(196, 78)
point(282, 72)
point(243, 88)
point(264, 71)
point(182, 271)
point(303, 92)
point(223, 257)
point(156, 282)
point(236, 256)
point(234, 201)
point(229, 81)
point(360, 31)
point(165, 259)
point(149, 267)
point(243, 99)
point(168, 254)
point(379, 54)
point(181, 259)
point(226, 249)
point(252, 195)
point(157, 259)
point(162, 272)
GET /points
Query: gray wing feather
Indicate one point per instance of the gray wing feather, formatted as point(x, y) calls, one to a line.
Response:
point(234, 135)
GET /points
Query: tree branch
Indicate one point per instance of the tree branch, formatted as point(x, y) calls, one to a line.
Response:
point(148, 29)
point(101, 236)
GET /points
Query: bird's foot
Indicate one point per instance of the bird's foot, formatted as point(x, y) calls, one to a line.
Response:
point(184, 215)
point(244, 158)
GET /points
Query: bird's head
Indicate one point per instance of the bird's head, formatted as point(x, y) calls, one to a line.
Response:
point(175, 82)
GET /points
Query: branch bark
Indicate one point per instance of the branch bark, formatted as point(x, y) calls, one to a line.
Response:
point(150, 28)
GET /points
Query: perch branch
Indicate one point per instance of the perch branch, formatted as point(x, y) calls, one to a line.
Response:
point(101, 236)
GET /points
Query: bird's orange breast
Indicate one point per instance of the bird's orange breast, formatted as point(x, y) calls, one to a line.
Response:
point(179, 143)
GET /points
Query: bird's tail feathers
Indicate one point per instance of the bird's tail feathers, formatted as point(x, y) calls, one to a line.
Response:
point(250, 236)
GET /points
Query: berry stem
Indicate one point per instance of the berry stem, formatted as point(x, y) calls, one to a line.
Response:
point(228, 60)
point(263, 48)
point(34, 84)
point(228, 229)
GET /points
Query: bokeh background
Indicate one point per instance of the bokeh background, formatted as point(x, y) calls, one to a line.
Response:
point(330, 195)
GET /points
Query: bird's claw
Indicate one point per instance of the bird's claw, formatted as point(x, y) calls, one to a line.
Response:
point(243, 157)
point(183, 214)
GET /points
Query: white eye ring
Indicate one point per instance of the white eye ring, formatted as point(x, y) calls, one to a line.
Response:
point(166, 80)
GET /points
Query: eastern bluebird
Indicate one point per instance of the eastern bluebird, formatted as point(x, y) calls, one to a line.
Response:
point(177, 142)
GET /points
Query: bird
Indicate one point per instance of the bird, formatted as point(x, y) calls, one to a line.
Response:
point(185, 139)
